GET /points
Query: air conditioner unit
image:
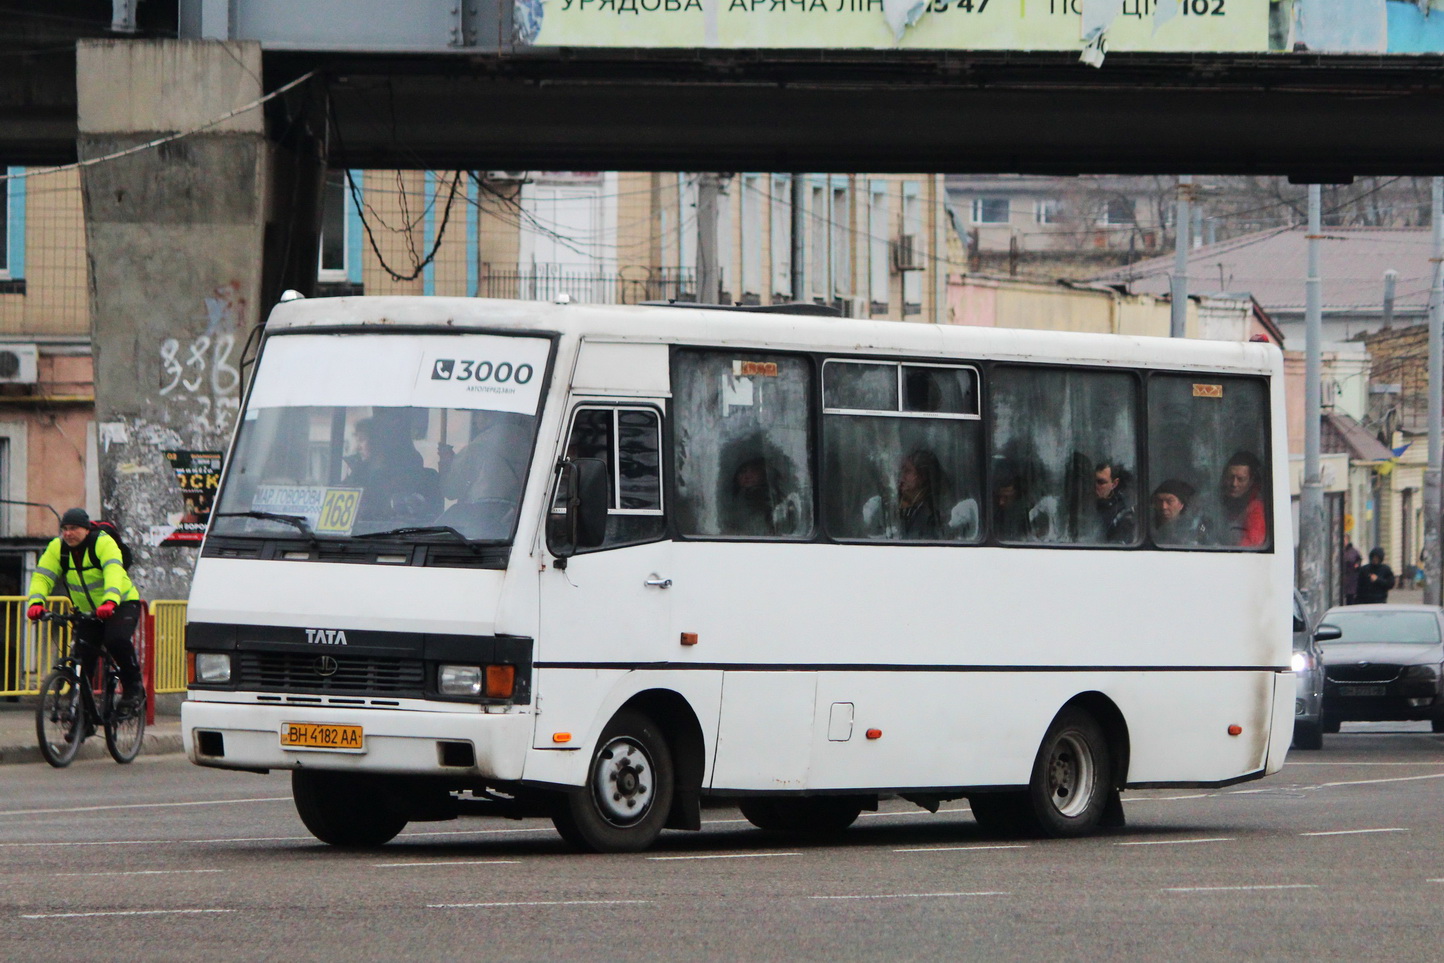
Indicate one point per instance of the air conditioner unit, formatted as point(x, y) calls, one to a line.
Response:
point(18, 363)
point(506, 175)
point(852, 307)
point(905, 255)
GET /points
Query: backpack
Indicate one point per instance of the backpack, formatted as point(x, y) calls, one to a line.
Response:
point(109, 528)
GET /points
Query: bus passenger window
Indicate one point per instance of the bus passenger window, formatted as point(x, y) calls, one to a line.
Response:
point(893, 475)
point(743, 438)
point(1208, 449)
point(628, 440)
point(1065, 456)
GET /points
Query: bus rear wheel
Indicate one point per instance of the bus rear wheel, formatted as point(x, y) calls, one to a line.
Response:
point(802, 816)
point(344, 809)
point(628, 793)
point(1071, 777)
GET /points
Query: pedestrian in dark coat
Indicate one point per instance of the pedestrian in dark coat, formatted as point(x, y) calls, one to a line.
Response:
point(1375, 579)
point(1351, 562)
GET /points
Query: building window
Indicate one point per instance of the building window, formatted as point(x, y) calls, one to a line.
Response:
point(912, 226)
point(841, 242)
point(751, 228)
point(990, 210)
point(878, 268)
point(333, 228)
point(820, 224)
point(781, 238)
point(1120, 210)
point(1047, 211)
point(12, 224)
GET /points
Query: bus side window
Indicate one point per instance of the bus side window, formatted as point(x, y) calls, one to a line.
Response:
point(1208, 460)
point(628, 440)
point(1065, 456)
point(743, 444)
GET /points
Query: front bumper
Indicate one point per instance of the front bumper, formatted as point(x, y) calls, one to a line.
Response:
point(394, 741)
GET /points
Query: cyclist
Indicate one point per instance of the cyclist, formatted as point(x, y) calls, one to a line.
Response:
point(92, 568)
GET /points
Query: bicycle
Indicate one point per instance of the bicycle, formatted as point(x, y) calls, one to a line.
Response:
point(69, 713)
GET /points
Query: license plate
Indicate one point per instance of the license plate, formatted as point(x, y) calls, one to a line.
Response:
point(1363, 690)
point(310, 735)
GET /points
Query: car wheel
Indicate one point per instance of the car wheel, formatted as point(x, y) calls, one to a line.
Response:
point(1308, 735)
point(1436, 724)
point(1330, 724)
point(628, 793)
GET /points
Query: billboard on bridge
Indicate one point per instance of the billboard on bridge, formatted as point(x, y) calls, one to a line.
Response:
point(1220, 26)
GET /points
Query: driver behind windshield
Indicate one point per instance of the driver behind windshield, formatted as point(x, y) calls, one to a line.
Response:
point(388, 469)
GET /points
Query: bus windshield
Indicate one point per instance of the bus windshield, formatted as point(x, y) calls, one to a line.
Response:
point(402, 436)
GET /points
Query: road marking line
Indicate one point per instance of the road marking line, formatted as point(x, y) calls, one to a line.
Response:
point(162, 912)
point(143, 872)
point(452, 862)
point(1356, 832)
point(164, 805)
point(1196, 795)
point(955, 849)
point(274, 839)
point(541, 902)
point(723, 856)
point(1225, 889)
point(1177, 842)
point(1372, 782)
point(914, 895)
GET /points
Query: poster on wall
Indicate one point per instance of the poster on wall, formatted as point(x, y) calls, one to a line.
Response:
point(197, 475)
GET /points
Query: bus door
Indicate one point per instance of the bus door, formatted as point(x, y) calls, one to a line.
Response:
point(609, 606)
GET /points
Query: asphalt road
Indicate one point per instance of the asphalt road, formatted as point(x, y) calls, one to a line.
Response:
point(1341, 856)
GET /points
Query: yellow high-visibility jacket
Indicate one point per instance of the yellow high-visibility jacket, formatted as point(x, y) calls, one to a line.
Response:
point(89, 586)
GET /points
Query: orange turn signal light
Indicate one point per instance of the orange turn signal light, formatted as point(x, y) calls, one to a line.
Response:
point(689, 638)
point(874, 733)
point(190, 668)
point(561, 737)
point(1235, 730)
point(500, 681)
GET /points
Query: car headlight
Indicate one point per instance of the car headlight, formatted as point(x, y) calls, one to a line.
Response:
point(213, 667)
point(1419, 681)
point(1300, 662)
point(459, 680)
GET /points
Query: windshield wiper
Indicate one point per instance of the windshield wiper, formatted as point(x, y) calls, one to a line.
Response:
point(299, 521)
point(425, 530)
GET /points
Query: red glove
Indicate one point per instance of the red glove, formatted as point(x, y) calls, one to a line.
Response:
point(106, 610)
point(35, 611)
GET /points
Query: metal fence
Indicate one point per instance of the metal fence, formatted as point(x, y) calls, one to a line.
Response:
point(31, 648)
point(544, 282)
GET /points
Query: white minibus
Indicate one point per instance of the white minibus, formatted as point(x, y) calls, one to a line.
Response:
point(599, 563)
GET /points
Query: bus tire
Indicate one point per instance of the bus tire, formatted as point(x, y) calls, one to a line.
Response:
point(624, 803)
point(1071, 777)
point(344, 809)
point(802, 815)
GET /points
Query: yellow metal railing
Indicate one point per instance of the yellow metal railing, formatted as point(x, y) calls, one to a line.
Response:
point(28, 649)
point(170, 645)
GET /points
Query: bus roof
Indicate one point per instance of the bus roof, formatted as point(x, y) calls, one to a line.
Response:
point(774, 331)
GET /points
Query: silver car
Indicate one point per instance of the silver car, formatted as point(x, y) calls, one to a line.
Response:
point(1308, 665)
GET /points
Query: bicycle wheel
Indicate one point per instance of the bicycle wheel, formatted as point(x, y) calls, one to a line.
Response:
point(124, 725)
point(60, 719)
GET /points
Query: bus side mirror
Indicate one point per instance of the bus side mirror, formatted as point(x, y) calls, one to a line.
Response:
point(584, 496)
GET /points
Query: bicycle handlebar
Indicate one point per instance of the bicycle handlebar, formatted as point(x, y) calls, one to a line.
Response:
point(67, 618)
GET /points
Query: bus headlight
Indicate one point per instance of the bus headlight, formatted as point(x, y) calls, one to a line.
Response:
point(459, 680)
point(213, 667)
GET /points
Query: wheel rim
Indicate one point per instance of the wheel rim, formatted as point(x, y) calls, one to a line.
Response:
point(1070, 774)
point(622, 781)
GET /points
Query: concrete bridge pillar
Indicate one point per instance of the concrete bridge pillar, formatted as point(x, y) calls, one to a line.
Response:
point(177, 237)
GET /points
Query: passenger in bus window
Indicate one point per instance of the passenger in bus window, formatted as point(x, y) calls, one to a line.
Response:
point(388, 469)
point(925, 508)
point(1116, 519)
point(1174, 521)
point(1010, 511)
point(1244, 522)
point(758, 501)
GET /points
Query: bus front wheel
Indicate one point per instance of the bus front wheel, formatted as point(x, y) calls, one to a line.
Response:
point(344, 809)
point(628, 793)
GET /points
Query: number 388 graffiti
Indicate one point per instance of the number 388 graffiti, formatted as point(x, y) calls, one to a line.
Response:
point(201, 371)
